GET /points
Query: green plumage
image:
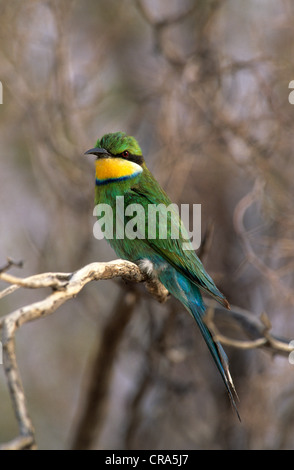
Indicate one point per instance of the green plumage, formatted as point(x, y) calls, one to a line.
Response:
point(118, 142)
point(179, 270)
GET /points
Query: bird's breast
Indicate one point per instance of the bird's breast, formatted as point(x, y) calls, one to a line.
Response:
point(115, 169)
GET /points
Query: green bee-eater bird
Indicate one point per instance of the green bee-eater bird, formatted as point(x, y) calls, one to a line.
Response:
point(121, 171)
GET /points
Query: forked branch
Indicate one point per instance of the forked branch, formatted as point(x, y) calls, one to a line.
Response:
point(66, 286)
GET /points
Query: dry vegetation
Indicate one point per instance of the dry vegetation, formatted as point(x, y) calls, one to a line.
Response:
point(203, 86)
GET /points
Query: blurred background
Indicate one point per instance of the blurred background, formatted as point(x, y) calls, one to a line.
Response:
point(204, 87)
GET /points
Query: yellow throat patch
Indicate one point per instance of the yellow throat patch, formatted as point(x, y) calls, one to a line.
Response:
point(115, 169)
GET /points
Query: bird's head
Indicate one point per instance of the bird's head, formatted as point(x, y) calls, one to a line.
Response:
point(118, 145)
point(119, 158)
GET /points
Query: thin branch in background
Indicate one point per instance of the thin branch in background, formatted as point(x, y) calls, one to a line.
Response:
point(96, 397)
point(206, 242)
point(244, 204)
point(26, 438)
point(4, 268)
point(254, 328)
point(147, 378)
point(10, 262)
point(159, 27)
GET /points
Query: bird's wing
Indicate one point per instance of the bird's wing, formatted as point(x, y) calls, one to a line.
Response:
point(148, 191)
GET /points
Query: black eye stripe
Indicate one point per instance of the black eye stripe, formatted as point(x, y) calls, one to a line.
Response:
point(134, 158)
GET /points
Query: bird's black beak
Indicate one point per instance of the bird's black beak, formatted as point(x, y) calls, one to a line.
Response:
point(99, 152)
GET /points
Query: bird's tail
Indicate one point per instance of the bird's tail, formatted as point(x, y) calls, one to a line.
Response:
point(197, 309)
point(189, 295)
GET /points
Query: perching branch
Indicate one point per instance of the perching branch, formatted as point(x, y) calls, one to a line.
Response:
point(65, 286)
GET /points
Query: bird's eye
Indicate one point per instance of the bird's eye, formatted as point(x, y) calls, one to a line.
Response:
point(126, 153)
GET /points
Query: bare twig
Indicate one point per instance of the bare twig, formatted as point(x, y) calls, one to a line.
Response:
point(65, 286)
point(160, 25)
point(19, 443)
point(243, 205)
point(10, 262)
point(257, 330)
point(95, 401)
